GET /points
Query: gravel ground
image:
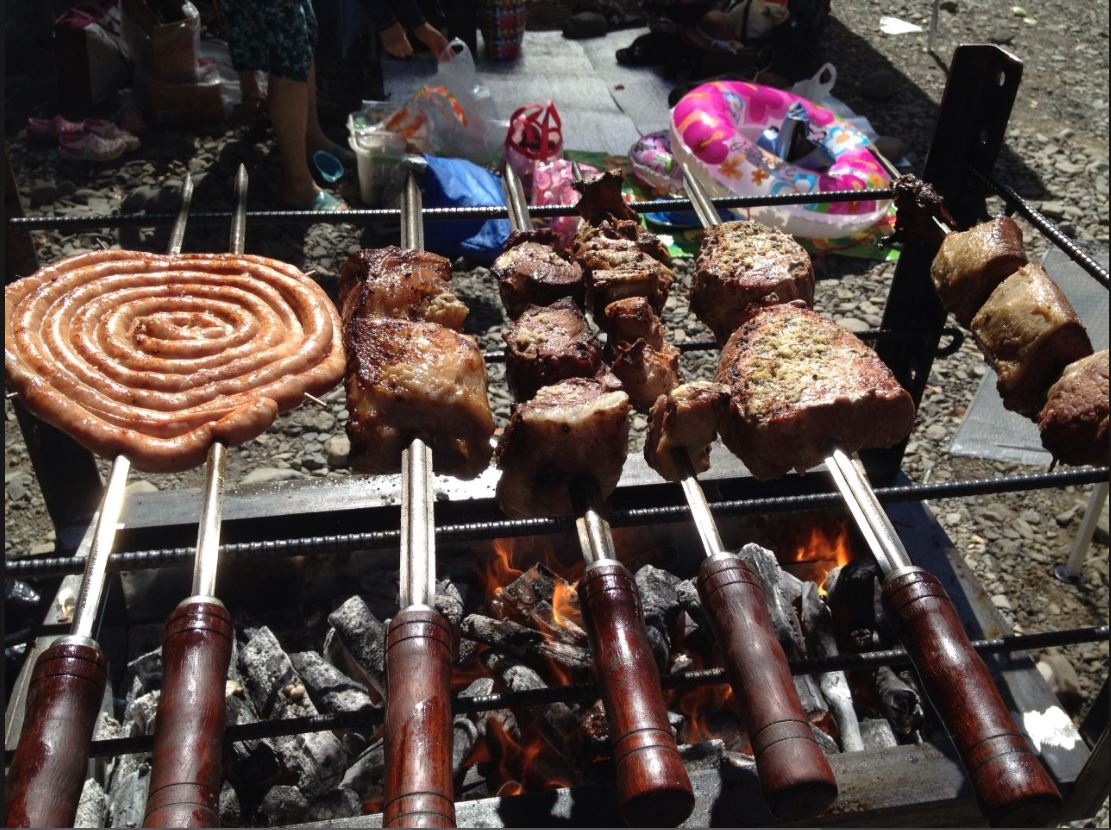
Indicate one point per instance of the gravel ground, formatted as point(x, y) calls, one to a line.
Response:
point(1056, 155)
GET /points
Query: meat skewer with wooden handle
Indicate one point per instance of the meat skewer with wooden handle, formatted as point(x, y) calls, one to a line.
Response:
point(67, 684)
point(1010, 783)
point(419, 791)
point(652, 784)
point(186, 768)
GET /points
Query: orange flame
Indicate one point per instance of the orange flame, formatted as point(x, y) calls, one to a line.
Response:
point(565, 604)
point(826, 546)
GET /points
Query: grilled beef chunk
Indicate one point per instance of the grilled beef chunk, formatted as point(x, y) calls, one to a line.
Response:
point(742, 263)
point(531, 271)
point(1073, 421)
point(802, 386)
point(970, 264)
point(410, 380)
point(645, 372)
point(618, 235)
point(577, 427)
point(399, 283)
point(548, 344)
point(1029, 333)
point(600, 198)
point(616, 275)
point(685, 419)
point(917, 205)
point(630, 320)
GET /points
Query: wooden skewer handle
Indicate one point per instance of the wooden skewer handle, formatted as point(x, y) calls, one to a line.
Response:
point(1012, 786)
point(795, 776)
point(652, 783)
point(63, 698)
point(418, 734)
point(185, 774)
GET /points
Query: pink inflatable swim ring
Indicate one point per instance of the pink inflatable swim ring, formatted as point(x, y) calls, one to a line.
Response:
point(714, 129)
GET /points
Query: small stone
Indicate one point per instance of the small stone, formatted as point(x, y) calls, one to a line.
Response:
point(337, 449)
point(314, 462)
point(953, 518)
point(1001, 602)
point(935, 432)
point(140, 486)
point(1031, 516)
point(853, 324)
point(267, 475)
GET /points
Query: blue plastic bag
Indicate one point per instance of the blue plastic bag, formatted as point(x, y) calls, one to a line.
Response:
point(461, 183)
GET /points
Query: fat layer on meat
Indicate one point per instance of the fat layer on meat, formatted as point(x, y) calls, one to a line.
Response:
point(632, 319)
point(410, 380)
point(578, 427)
point(685, 419)
point(645, 372)
point(1029, 333)
point(617, 274)
point(547, 344)
point(399, 283)
point(802, 386)
point(618, 234)
point(1073, 422)
point(970, 264)
point(741, 264)
point(531, 271)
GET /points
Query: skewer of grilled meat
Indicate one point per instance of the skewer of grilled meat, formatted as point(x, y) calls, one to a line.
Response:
point(547, 344)
point(562, 452)
point(798, 382)
point(402, 284)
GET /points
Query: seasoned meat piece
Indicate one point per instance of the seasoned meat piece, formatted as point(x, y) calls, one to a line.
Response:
point(600, 198)
point(970, 264)
point(620, 274)
point(618, 234)
point(742, 263)
point(917, 205)
point(1073, 421)
point(576, 427)
point(645, 373)
point(399, 283)
point(802, 386)
point(1029, 333)
point(532, 272)
point(633, 319)
point(687, 419)
point(410, 380)
point(548, 344)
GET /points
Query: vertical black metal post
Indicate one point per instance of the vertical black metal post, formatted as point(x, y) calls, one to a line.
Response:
point(975, 108)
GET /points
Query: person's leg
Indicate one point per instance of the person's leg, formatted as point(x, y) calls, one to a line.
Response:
point(288, 101)
point(315, 139)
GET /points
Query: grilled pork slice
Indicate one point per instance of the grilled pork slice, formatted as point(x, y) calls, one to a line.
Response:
point(410, 380)
point(1073, 421)
point(532, 271)
point(1029, 332)
point(630, 320)
point(615, 275)
point(645, 372)
point(686, 419)
point(742, 263)
point(800, 387)
point(399, 283)
point(577, 427)
point(547, 344)
point(970, 264)
point(618, 234)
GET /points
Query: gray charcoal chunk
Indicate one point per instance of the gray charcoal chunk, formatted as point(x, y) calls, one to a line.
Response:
point(331, 690)
point(283, 805)
point(363, 635)
point(93, 805)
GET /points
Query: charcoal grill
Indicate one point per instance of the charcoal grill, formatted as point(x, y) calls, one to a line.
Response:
point(340, 526)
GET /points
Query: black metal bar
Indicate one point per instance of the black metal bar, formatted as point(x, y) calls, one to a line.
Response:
point(43, 567)
point(979, 94)
point(355, 217)
point(1047, 227)
point(588, 691)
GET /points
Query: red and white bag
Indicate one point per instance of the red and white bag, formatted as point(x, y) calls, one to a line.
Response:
point(535, 134)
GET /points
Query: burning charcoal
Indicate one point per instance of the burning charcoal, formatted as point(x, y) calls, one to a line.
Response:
point(316, 758)
point(595, 727)
point(141, 712)
point(253, 765)
point(478, 687)
point(92, 806)
point(127, 794)
point(792, 586)
point(739, 760)
point(342, 802)
point(230, 814)
point(828, 745)
point(660, 605)
point(523, 643)
point(464, 737)
point(786, 626)
point(363, 641)
point(147, 669)
point(365, 775)
point(877, 734)
point(546, 600)
point(449, 603)
point(283, 805)
point(332, 691)
point(899, 703)
point(703, 755)
point(818, 626)
point(518, 677)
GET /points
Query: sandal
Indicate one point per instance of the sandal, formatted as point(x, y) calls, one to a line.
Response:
point(647, 50)
point(325, 201)
point(90, 147)
point(108, 130)
point(50, 129)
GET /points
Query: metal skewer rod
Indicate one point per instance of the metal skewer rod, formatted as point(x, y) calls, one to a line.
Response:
point(653, 787)
point(1010, 783)
point(68, 679)
point(186, 769)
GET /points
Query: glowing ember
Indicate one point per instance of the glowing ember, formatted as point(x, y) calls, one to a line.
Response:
point(827, 546)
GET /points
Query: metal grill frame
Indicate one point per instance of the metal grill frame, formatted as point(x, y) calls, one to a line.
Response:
point(969, 134)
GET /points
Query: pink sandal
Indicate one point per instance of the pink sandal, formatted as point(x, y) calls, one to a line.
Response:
point(90, 147)
point(51, 129)
point(108, 130)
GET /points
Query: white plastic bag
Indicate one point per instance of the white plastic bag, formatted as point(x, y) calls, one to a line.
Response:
point(818, 89)
point(474, 136)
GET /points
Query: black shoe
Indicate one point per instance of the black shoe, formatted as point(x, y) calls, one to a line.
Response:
point(646, 50)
